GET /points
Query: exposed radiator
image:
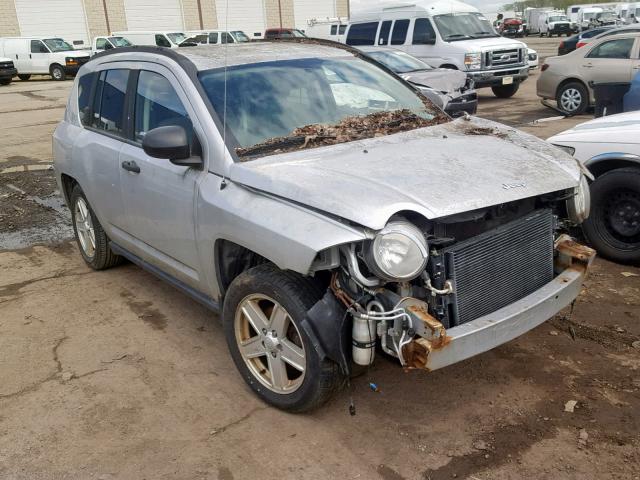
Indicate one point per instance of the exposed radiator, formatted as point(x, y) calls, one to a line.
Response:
point(501, 266)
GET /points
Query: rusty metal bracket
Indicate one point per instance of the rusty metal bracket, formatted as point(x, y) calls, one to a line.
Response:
point(573, 255)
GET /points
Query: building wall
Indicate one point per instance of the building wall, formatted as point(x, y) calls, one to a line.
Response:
point(8, 19)
point(277, 13)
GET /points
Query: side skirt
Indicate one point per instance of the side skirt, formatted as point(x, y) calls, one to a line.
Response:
point(195, 294)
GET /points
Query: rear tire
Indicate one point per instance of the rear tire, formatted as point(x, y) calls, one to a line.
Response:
point(24, 77)
point(57, 72)
point(572, 98)
point(92, 240)
point(5, 81)
point(613, 228)
point(505, 91)
point(263, 357)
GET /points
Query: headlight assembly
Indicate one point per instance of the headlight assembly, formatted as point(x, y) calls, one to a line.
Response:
point(398, 253)
point(579, 206)
point(473, 61)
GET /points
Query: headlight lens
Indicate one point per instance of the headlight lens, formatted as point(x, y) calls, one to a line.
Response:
point(473, 61)
point(579, 206)
point(569, 150)
point(399, 252)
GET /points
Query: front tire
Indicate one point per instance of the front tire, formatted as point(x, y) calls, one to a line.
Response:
point(262, 315)
point(572, 98)
point(613, 227)
point(24, 77)
point(92, 240)
point(57, 72)
point(505, 91)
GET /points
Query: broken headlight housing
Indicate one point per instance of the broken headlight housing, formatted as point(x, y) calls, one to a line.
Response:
point(579, 205)
point(398, 253)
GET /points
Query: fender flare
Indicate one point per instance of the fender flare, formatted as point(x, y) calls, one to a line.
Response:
point(608, 161)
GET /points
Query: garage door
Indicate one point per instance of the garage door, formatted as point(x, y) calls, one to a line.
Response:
point(56, 18)
point(305, 10)
point(154, 15)
point(245, 15)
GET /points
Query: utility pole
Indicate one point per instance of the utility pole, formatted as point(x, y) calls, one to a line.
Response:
point(280, 11)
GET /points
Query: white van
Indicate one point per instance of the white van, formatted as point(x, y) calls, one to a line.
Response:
point(445, 34)
point(43, 56)
point(216, 37)
point(328, 28)
point(160, 39)
point(100, 44)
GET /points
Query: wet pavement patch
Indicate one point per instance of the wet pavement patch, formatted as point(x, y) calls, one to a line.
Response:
point(152, 316)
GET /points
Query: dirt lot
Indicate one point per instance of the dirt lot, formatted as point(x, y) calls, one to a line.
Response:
point(116, 375)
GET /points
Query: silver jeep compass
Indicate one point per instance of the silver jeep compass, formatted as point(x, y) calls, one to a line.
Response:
point(323, 205)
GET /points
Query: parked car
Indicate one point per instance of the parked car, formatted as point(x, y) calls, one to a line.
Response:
point(571, 43)
point(446, 35)
point(342, 211)
point(635, 28)
point(216, 37)
point(610, 148)
point(276, 33)
point(511, 27)
point(7, 71)
point(166, 39)
point(450, 90)
point(43, 56)
point(567, 79)
point(100, 44)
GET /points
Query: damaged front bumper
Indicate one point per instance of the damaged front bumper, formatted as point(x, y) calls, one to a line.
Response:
point(436, 347)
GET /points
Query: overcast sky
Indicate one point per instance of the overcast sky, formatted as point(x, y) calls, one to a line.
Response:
point(486, 6)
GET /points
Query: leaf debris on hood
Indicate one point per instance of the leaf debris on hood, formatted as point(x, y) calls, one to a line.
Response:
point(349, 129)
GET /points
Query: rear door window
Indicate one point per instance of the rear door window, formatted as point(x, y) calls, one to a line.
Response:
point(400, 29)
point(213, 37)
point(334, 29)
point(158, 105)
point(423, 32)
point(108, 105)
point(385, 29)
point(620, 49)
point(362, 34)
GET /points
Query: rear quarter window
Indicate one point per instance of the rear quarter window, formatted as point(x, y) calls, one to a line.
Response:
point(85, 85)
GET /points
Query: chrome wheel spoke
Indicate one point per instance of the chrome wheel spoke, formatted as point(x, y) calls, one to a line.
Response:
point(292, 354)
point(278, 371)
point(255, 316)
point(252, 348)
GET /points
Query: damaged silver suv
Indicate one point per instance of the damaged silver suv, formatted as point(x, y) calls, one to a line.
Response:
point(322, 204)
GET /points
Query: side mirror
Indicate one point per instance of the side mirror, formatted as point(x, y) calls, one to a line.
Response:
point(170, 142)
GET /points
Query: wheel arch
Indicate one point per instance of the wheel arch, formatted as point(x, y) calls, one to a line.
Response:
point(449, 66)
point(67, 183)
point(603, 163)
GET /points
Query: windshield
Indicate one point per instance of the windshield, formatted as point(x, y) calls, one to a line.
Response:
point(463, 26)
point(589, 15)
point(119, 42)
point(558, 18)
point(177, 37)
point(399, 62)
point(269, 103)
point(240, 37)
point(57, 45)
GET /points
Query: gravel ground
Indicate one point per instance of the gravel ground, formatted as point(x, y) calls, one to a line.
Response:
point(115, 375)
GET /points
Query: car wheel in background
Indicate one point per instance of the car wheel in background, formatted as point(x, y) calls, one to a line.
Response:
point(57, 72)
point(572, 98)
point(262, 315)
point(613, 227)
point(92, 239)
point(5, 81)
point(505, 91)
point(24, 77)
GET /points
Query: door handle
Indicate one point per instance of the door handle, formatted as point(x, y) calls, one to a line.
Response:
point(130, 166)
point(588, 65)
point(30, 56)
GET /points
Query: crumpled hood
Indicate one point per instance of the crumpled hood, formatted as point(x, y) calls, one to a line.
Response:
point(435, 171)
point(440, 79)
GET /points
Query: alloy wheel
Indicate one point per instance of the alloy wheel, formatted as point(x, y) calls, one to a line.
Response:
point(270, 343)
point(84, 228)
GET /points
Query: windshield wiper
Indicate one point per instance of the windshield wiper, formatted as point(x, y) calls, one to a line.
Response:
point(457, 35)
point(485, 33)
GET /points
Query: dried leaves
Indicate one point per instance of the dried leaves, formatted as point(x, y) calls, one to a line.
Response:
point(349, 129)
